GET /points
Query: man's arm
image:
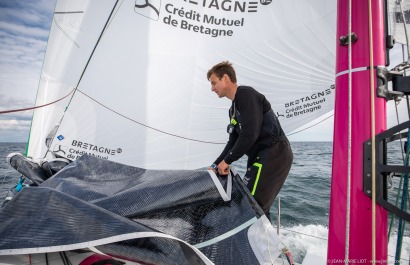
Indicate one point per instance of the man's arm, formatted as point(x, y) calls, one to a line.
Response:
point(231, 142)
point(251, 111)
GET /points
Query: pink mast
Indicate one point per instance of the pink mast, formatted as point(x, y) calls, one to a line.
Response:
point(354, 241)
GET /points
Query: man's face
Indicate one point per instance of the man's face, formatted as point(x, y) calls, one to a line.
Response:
point(218, 85)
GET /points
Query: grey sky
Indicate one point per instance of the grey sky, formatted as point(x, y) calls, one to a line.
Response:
point(24, 27)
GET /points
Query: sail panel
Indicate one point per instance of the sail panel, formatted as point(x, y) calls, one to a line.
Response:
point(74, 32)
point(145, 91)
point(150, 216)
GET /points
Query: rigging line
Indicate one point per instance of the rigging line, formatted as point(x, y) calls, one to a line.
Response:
point(405, 29)
point(403, 204)
point(396, 101)
point(85, 68)
point(398, 194)
point(36, 107)
point(310, 126)
point(408, 105)
point(144, 125)
point(115, 14)
point(349, 141)
point(404, 162)
point(373, 131)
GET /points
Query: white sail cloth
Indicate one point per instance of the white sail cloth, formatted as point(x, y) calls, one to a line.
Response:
point(135, 75)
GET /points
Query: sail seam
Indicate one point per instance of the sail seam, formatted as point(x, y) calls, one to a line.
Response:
point(99, 242)
point(227, 234)
point(146, 126)
point(226, 196)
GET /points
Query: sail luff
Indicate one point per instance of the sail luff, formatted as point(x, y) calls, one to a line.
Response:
point(74, 31)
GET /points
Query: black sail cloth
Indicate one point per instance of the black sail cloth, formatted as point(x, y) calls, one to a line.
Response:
point(153, 216)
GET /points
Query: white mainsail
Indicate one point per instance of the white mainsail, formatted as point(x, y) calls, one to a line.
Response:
point(136, 71)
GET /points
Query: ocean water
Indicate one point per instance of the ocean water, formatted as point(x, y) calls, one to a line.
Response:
point(8, 175)
point(306, 193)
point(304, 198)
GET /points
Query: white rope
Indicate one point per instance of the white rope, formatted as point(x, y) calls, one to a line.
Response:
point(349, 141)
point(373, 129)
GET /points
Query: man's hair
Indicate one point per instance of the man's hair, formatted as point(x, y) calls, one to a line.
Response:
point(223, 68)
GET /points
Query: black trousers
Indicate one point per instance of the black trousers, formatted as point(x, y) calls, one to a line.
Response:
point(267, 172)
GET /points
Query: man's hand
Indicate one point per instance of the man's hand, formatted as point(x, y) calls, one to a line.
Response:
point(223, 168)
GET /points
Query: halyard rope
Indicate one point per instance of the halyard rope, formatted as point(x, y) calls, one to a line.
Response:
point(372, 98)
point(349, 141)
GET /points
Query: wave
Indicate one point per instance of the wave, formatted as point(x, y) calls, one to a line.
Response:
point(307, 241)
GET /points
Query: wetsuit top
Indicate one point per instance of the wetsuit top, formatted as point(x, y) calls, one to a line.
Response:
point(256, 126)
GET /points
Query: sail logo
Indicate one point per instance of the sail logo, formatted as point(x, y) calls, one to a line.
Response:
point(309, 103)
point(208, 17)
point(148, 8)
point(60, 150)
point(229, 5)
point(95, 148)
point(151, 8)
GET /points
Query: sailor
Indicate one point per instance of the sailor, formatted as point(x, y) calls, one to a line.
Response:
point(253, 130)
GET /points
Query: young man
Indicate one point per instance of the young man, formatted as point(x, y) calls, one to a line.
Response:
point(253, 130)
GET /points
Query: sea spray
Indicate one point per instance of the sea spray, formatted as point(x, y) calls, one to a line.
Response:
point(302, 239)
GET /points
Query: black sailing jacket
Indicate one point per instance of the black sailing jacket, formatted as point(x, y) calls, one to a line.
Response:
point(256, 128)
